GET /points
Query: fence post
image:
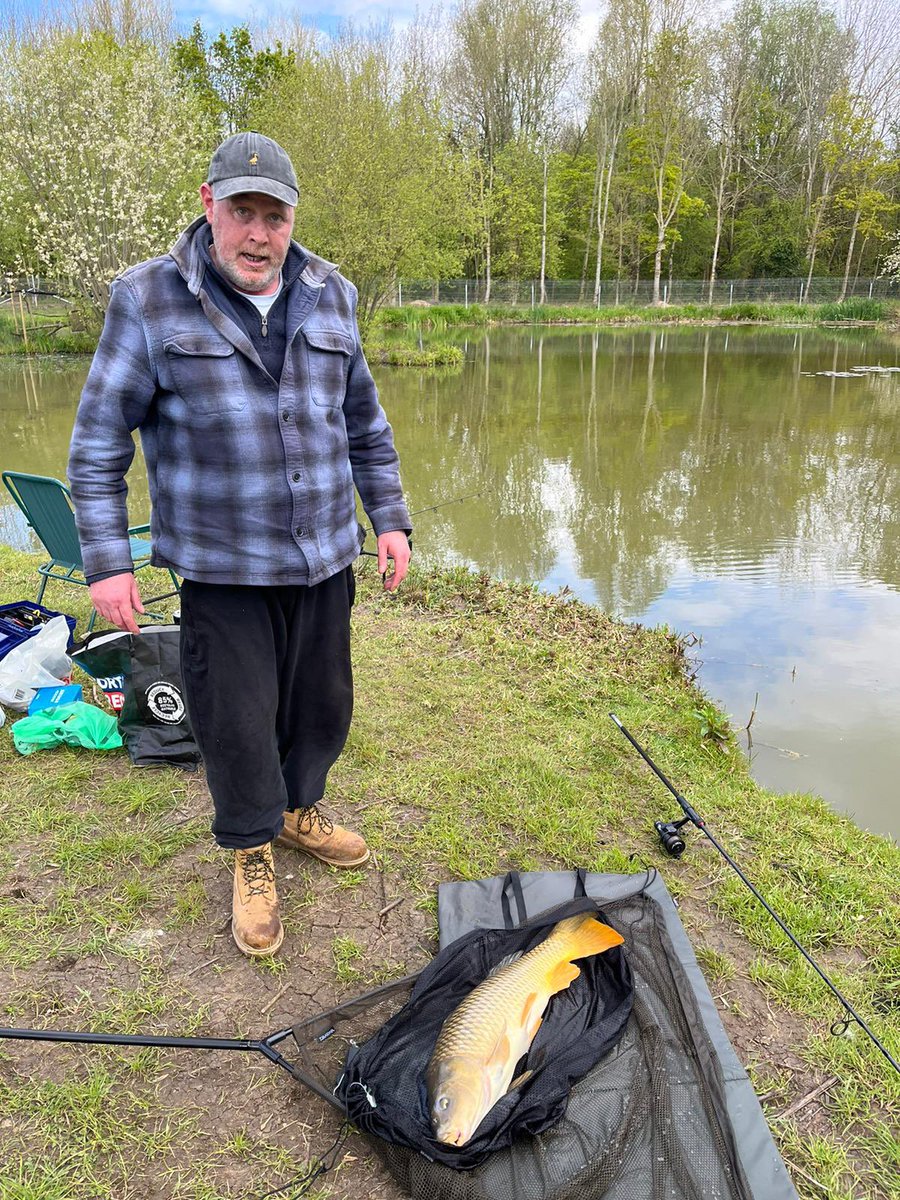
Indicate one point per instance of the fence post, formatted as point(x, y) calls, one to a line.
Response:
point(467, 293)
point(399, 294)
point(665, 293)
point(871, 284)
point(532, 295)
point(731, 293)
point(617, 293)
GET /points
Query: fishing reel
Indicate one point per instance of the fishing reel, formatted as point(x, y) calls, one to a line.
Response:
point(672, 841)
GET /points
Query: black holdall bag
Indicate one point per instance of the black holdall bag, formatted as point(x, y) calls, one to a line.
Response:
point(153, 720)
point(383, 1083)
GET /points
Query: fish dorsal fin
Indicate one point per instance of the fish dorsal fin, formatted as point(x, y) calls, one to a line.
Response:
point(505, 962)
point(583, 935)
point(561, 975)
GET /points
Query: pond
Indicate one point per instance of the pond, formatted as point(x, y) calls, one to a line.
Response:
point(741, 485)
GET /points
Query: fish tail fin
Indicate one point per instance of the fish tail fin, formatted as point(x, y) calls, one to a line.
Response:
point(583, 935)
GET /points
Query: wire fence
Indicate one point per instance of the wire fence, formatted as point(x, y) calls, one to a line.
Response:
point(613, 292)
point(38, 292)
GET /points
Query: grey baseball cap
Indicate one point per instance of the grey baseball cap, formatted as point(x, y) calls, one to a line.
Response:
point(249, 162)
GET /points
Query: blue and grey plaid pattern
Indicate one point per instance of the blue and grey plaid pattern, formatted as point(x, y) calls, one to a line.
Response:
point(251, 479)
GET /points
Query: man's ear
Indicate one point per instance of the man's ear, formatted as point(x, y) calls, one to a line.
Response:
point(208, 203)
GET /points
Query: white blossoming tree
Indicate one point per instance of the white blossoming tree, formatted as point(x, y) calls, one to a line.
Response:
point(101, 156)
point(891, 264)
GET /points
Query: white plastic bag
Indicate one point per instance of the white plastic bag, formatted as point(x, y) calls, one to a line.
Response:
point(40, 661)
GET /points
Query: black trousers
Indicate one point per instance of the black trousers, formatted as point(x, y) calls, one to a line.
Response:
point(269, 692)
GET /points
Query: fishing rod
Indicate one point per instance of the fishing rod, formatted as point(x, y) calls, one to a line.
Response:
point(674, 845)
point(434, 508)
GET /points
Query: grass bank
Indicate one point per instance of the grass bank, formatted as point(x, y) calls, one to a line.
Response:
point(441, 317)
point(44, 334)
point(481, 742)
point(395, 336)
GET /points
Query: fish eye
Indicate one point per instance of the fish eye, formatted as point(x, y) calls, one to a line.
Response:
point(443, 1103)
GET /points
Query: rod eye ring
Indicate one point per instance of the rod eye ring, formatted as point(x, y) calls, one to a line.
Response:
point(839, 1028)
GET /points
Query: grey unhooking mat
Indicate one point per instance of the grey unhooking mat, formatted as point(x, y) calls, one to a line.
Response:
point(670, 1113)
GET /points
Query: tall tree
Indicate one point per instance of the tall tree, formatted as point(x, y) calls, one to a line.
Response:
point(381, 192)
point(669, 143)
point(617, 67)
point(509, 61)
point(227, 74)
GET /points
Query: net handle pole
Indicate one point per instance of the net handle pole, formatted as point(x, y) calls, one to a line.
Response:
point(695, 819)
point(265, 1046)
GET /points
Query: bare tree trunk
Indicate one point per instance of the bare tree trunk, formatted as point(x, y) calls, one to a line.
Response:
point(595, 201)
point(850, 248)
point(816, 229)
point(487, 240)
point(859, 259)
point(544, 229)
point(720, 215)
point(657, 266)
point(602, 214)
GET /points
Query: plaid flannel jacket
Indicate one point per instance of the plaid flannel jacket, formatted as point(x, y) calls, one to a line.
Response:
point(251, 479)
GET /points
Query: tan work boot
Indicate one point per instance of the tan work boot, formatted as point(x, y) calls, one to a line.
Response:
point(308, 829)
point(255, 924)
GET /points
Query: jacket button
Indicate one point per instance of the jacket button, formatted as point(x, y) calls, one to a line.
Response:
point(296, 477)
point(286, 415)
point(300, 531)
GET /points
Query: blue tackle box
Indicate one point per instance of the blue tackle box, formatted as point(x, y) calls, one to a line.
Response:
point(23, 620)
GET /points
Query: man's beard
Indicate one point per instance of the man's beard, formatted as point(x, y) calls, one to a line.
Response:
point(244, 283)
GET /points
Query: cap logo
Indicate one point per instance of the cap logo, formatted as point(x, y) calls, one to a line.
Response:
point(254, 159)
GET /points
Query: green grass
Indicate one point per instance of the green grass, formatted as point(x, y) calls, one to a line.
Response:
point(440, 318)
point(347, 955)
point(43, 336)
point(435, 354)
point(480, 741)
point(405, 351)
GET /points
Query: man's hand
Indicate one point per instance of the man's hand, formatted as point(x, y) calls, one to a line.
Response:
point(395, 545)
point(117, 598)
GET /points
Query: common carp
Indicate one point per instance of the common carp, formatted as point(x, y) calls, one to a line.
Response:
point(484, 1038)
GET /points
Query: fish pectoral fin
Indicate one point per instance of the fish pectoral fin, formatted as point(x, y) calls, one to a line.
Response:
point(561, 976)
point(519, 1081)
point(532, 1016)
point(499, 1056)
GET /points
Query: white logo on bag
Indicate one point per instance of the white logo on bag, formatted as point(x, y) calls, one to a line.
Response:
point(164, 701)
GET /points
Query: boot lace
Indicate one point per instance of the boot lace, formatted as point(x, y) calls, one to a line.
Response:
point(258, 872)
point(311, 819)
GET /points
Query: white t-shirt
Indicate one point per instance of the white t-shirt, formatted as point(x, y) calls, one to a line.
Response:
point(264, 303)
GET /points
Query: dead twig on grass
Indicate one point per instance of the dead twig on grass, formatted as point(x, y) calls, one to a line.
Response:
point(811, 1095)
point(274, 999)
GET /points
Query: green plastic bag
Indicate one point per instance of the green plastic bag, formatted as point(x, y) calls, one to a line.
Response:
point(77, 724)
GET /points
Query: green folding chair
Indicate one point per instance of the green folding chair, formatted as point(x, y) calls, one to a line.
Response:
point(47, 505)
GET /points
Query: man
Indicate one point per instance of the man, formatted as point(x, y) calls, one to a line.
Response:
point(237, 356)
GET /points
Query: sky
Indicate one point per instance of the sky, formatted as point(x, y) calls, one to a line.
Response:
point(328, 15)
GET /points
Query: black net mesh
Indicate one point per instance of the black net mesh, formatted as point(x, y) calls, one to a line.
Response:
point(647, 1123)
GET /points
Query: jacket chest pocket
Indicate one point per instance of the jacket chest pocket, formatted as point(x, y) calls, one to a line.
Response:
point(206, 373)
point(328, 354)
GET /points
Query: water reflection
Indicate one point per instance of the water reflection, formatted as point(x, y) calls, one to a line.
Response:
point(743, 484)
